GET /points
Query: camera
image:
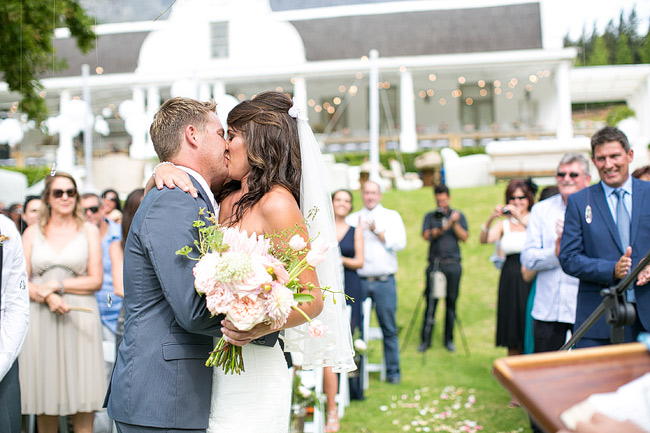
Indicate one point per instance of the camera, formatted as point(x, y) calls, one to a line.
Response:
point(439, 213)
point(506, 211)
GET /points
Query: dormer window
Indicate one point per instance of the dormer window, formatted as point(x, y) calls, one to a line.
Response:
point(219, 40)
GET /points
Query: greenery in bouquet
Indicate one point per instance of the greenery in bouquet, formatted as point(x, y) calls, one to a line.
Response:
point(251, 279)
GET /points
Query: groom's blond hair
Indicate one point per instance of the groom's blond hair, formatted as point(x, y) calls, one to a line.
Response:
point(169, 123)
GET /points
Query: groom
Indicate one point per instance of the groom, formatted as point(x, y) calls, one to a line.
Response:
point(159, 382)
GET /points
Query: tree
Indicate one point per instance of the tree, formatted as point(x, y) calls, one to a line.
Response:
point(644, 49)
point(599, 54)
point(623, 54)
point(26, 33)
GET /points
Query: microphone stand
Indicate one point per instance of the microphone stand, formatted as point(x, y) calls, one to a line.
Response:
point(619, 312)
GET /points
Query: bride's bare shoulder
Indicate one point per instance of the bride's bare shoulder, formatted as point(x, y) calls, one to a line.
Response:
point(279, 207)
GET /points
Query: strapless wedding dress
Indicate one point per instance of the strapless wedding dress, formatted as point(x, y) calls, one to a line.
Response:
point(258, 400)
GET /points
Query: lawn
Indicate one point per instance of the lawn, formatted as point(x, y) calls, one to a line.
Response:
point(442, 391)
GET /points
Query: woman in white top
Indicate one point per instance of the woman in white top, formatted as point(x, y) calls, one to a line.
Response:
point(510, 231)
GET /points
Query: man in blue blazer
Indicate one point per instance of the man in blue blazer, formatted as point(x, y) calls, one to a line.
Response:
point(606, 233)
point(159, 380)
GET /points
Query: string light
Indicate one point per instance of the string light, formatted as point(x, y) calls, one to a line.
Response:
point(432, 77)
point(318, 108)
point(430, 92)
point(336, 100)
point(241, 96)
point(497, 90)
point(311, 102)
point(497, 83)
point(456, 93)
point(358, 75)
point(279, 89)
point(509, 95)
point(532, 78)
point(469, 101)
point(442, 101)
point(483, 92)
point(353, 90)
point(529, 87)
point(331, 109)
point(422, 93)
point(481, 83)
point(461, 80)
point(99, 70)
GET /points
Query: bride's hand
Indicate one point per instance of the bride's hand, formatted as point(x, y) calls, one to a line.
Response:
point(171, 176)
point(241, 338)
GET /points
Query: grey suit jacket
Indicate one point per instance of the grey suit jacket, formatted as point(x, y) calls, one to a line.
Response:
point(159, 378)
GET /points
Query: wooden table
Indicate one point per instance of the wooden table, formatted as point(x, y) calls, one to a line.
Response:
point(547, 384)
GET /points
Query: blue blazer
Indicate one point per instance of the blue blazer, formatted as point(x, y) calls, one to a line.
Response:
point(590, 249)
point(159, 378)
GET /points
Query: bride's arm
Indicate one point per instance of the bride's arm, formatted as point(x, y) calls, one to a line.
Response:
point(281, 214)
point(170, 176)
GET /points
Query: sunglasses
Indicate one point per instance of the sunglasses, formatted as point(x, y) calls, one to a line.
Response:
point(562, 174)
point(58, 193)
point(92, 209)
point(518, 197)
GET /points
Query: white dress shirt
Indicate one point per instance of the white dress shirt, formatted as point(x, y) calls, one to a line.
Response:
point(556, 292)
point(204, 185)
point(380, 258)
point(612, 200)
point(14, 314)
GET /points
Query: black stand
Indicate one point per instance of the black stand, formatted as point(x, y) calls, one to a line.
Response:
point(619, 312)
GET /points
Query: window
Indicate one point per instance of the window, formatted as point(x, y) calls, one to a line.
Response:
point(476, 107)
point(219, 40)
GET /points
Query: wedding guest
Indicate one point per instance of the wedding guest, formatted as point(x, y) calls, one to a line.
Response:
point(383, 234)
point(131, 205)
point(606, 235)
point(111, 205)
point(642, 173)
point(14, 318)
point(510, 231)
point(351, 246)
point(31, 212)
point(15, 212)
point(110, 234)
point(63, 349)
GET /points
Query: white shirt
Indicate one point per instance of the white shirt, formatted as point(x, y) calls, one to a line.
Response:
point(556, 292)
point(14, 314)
point(380, 258)
point(612, 200)
point(204, 185)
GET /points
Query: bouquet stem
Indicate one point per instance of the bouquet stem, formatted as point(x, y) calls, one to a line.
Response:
point(227, 356)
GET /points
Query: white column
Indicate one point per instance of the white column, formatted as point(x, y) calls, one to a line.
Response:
point(65, 151)
point(408, 139)
point(88, 129)
point(153, 104)
point(205, 92)
point(218, 89)
point(136, 125)
point(300, 94)
point(564, 127)
point(638, 128)
point(373, 109)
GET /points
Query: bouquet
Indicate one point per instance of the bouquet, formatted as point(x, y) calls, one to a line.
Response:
point(250, 280)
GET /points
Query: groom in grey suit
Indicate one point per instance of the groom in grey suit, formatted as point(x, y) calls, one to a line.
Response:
point(159, 382)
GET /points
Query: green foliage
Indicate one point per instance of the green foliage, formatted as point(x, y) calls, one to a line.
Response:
point(470, 150)
point(623, 53)
point(644, 49)
point(599, 54)
point(34, 174)
point(619, 113)
point(26, 33)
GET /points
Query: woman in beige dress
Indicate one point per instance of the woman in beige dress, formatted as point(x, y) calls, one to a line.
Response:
point(62, 366)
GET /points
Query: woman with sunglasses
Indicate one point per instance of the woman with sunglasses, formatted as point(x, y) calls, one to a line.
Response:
point(111, 206)
point(510, 231)
point(61, 366)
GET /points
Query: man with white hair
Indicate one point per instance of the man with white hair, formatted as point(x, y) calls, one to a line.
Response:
point(383, 235)
point(554, 309)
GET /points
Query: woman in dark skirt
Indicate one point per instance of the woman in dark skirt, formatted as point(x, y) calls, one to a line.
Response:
point(510, 232)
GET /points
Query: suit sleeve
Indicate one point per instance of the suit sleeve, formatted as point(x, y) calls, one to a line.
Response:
point(573, 258)
point(167, 228)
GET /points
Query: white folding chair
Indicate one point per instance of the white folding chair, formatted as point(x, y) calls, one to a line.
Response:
point(371, 333)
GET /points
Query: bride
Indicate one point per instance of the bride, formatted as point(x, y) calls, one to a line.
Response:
point(275, 179)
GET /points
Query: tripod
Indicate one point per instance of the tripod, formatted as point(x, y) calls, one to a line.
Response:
point(619, 312)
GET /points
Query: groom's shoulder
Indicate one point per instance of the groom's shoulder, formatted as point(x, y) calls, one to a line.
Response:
point(170, 204)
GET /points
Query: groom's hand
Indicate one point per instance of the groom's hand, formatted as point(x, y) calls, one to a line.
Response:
point(241, 338)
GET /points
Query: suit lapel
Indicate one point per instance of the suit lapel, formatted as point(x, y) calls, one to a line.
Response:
point(203, 194)
point(598, 198)
point(637, 207)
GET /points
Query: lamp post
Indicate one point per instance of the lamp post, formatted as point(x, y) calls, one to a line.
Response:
point(373, 102)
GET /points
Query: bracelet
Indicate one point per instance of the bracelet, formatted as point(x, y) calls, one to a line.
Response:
point(153, 174)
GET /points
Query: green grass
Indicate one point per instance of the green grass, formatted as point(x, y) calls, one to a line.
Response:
point(415, 404)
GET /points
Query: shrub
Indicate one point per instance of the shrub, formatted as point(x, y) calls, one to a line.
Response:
point(34, 174)
point(619, 113)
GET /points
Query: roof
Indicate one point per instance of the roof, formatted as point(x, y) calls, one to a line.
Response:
point(115, 53)
point(288, 5)
point(498, 28)
point(119, 11)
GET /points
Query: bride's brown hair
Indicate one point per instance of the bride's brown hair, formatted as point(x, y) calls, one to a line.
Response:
point(272, 147)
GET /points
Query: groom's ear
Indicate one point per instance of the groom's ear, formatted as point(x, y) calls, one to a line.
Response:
point(191, 134)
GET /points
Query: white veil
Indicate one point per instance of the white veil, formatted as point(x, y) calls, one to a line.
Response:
point(334, 348)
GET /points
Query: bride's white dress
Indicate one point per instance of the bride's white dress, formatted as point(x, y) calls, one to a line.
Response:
point(258, 400)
